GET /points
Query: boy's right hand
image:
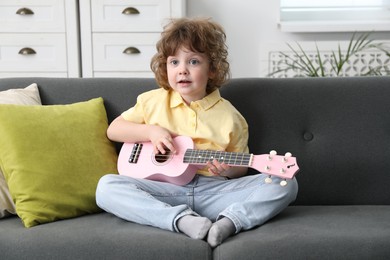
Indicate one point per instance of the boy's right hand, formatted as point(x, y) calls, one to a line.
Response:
point(161, 139)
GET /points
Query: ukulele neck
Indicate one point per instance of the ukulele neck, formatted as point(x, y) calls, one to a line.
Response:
point(193, 156)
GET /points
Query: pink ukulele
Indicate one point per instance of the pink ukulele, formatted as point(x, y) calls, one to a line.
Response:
point(138, 160)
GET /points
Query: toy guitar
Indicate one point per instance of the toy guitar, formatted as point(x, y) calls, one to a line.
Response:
point(138, 160)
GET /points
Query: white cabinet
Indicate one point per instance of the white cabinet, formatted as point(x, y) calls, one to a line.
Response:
point(118, 37)
point(88, 38)
point(39, 38)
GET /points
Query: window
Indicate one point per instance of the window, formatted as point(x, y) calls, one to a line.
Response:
point(334, 15)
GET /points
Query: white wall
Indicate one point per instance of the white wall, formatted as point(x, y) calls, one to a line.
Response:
point(250, 26)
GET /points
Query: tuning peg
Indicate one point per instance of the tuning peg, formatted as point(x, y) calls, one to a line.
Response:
point(268, 179)
point(286, 156)
point(283, 183)
point(271, 154)
point(282, 171)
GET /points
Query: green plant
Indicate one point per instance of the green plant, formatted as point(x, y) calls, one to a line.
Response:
point(310, 66)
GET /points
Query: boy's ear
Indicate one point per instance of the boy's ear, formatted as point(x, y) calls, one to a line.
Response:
point(211, 74)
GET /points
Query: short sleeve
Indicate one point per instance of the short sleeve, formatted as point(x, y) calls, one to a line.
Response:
point(239, 136)
point(136, 113)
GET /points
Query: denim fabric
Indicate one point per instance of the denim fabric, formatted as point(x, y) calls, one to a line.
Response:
point(248, 201)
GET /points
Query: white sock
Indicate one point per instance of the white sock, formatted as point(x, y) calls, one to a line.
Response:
point(219, 231)
point(194, 226)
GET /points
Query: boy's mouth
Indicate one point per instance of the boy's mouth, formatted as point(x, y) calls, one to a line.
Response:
point(184, 81)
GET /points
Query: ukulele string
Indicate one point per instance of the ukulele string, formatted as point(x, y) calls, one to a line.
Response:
point(245, 160)
point(236, 159)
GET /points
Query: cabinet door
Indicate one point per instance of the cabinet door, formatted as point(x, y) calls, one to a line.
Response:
point(129, 15)
point(32, 16)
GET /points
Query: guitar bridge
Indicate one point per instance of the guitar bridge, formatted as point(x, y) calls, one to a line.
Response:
point(135, 153)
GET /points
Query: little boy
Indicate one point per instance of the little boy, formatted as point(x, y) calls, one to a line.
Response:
point(190, 66)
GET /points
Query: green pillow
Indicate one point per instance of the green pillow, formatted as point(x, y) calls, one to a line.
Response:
point(52, 158)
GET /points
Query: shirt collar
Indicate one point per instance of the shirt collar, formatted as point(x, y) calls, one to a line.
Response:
point(206, 103)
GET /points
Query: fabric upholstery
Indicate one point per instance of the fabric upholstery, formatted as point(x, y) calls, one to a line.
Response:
point(19, 96)
point(97, 236)
point(337, 128)
point(53, 157)
point(315, 232)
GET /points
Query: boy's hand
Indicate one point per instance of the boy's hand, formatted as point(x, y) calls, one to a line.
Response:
point(218, 168)
point(161, 139)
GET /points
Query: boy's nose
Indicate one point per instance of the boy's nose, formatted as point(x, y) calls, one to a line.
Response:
point(183, 70)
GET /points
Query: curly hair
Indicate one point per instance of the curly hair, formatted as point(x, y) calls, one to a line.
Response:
point(198, 35)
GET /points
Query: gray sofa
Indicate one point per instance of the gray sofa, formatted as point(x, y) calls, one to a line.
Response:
point(339, 130)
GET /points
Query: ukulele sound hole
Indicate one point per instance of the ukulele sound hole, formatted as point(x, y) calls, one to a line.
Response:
point(160, 158)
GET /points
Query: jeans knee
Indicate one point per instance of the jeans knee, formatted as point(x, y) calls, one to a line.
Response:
point(105, 181)
point(103, 186)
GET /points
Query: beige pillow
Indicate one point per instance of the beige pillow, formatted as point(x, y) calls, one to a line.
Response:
point(22, 96)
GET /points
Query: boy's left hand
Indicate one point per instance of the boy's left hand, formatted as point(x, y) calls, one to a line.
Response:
point(217, 168)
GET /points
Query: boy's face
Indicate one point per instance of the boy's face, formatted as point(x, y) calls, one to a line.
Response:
point(188, 73)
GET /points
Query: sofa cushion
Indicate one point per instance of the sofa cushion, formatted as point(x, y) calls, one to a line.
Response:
point(97, 236)
point(53, 156)
point(315, 232)
point(21, 96)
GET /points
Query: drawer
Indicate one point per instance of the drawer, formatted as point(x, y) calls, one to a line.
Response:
point(123, 52)
point(17, 52)
point(32, 16)
point(129, 15)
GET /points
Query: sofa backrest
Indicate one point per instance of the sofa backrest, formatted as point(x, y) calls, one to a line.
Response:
point(338, 128)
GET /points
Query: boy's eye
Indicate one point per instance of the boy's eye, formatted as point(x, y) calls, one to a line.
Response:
point(174, 62)
point(193, 61)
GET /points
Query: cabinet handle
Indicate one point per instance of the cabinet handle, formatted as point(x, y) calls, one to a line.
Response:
point(27, 51)
point(131, 50)
point(130, 11)
point(24, 11)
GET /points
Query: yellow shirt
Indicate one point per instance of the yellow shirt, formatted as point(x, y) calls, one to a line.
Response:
point(213, 123)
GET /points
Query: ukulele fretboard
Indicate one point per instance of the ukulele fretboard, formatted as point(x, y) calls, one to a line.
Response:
point(192, 156)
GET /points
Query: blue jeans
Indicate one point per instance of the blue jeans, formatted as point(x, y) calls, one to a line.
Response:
point(247, 201)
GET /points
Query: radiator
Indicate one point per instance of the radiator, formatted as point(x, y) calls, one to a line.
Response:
point(358, 65)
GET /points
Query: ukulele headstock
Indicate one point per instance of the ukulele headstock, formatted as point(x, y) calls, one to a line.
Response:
point(283, 166)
